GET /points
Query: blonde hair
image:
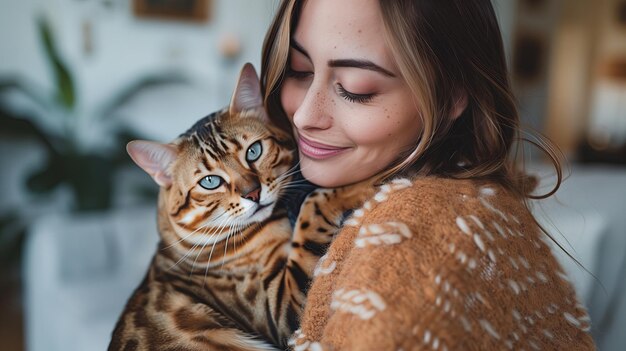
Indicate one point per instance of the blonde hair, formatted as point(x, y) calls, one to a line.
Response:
point(444, 49)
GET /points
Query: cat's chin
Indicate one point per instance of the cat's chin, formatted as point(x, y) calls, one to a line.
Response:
point(261, 213)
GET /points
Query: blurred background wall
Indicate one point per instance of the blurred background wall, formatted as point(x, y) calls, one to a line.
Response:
point(79, 78)
point(112, 70)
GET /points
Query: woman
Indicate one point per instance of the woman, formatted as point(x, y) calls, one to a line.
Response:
point(446, 256)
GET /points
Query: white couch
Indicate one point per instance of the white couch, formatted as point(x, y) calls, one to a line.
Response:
point(79, 272)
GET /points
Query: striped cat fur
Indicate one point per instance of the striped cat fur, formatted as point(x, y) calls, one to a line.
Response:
point(230, 273)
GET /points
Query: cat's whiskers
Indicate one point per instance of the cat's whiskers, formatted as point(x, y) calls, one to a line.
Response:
point(187, 253)
point(291, 171)
point(208, 265)
point(207, 238)
point(288, 186)
point(242, 237)
point(287, 181)
point(291, 184)
point(288, 173)
point(237, 233)
point(235, 226)
point(225, 249)
point(206, 241)
point(205, 225)
point(214, 243)
point(294, 184)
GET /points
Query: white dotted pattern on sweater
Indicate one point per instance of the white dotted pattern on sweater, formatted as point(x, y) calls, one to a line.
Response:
point(382, 195)
point(387, 233)
point(323, 268)
point(462, 224)
point(394, 185)
point(472, 226)
point(430, 339)
point(299, 342)
point(489, 328)
point(363, 303)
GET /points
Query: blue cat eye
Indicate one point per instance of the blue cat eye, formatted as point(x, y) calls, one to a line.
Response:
point(211, 182)
point(254, 152)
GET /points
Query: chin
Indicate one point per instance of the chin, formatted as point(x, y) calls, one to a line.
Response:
point(331, 175)
point(325, 179)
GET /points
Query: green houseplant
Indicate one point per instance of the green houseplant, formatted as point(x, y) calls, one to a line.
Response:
point(83, 163)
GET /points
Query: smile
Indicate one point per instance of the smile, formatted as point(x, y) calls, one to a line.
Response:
point(317, 150)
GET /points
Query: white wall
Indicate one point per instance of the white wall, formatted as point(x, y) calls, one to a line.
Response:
point(125, 48)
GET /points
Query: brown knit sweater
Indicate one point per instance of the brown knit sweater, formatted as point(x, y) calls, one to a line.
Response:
point(439, 264)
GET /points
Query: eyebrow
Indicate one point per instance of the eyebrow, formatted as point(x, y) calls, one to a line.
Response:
point(362, 64)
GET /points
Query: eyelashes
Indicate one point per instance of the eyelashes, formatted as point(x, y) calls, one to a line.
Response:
point(352, 97)
point(345, 94)
point(297, 74)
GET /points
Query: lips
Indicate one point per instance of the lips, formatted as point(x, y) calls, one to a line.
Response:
point(317, 150)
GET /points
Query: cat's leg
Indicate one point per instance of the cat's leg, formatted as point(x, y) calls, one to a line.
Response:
point(320, 218)
point(286, 275)
point(318, 221)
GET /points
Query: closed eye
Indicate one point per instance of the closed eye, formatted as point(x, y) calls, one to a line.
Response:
point(352, 97)
point(291, 73)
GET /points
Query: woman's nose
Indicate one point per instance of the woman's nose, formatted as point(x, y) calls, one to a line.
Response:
point(313, 112)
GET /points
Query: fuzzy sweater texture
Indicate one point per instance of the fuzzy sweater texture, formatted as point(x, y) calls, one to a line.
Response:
point(440, 264)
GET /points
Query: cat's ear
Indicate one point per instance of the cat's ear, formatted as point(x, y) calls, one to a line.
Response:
point(247, 95)
point(154, 158)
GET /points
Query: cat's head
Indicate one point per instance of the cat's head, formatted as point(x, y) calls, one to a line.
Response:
point(227, 171)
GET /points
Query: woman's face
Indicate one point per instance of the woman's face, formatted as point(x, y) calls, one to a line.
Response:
point(351, 112)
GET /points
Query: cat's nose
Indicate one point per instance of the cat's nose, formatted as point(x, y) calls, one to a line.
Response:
point(254, 195)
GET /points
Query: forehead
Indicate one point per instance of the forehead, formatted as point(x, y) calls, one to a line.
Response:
point(343, 29)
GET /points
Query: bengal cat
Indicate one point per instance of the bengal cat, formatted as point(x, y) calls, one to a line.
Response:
point(228, 274)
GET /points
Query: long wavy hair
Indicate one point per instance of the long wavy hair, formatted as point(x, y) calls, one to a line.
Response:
point(442, 48)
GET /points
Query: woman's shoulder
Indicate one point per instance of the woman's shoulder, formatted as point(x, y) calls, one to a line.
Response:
point(446, 220)
point(437, 214)
point(430, 200)
point(465, 247)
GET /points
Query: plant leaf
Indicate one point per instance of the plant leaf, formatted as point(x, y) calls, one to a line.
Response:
point(48, 178)
point(27, 88)
point(23, 126)
point(12, 233)
point(65, 92)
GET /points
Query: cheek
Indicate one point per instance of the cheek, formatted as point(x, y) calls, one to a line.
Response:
point(386, 126)
point(291, 96)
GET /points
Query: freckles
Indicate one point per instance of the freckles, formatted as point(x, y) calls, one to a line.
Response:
point(319, 100)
